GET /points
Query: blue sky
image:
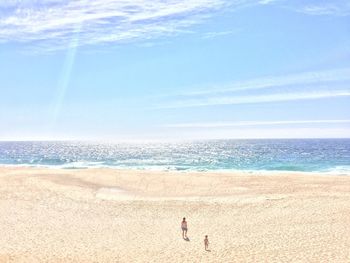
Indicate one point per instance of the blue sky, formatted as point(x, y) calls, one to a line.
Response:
point(174, 69)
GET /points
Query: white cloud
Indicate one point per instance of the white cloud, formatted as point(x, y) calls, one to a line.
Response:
point(266, 2)
point(259, 129)
point(99, 21)
point(235, 100)
point(251, 123)
point(304, 78)
point(336, 8)
point(58, 23)
point(302, 86)
point(216, 34)
point(256, 133)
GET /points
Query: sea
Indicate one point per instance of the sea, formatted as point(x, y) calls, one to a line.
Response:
point(297, 155)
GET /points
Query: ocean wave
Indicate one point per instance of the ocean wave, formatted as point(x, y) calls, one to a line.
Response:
point(341, 170)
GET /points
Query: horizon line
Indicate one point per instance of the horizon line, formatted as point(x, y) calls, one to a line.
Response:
point(171, 140)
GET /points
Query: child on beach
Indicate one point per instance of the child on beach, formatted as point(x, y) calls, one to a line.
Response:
point(206, 243)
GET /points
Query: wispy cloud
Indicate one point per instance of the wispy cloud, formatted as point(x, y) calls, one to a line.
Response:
point(216, 34)
point(100, 21)
point(313, 7)
point(54, 23)
point(235, 100)
point(252, 123)
point(304, 78)
point(335, 8)
point(266, 2)
point(302, 86)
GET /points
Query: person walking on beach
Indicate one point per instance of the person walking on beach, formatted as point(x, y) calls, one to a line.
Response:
point(206, 243)
point(184, 228)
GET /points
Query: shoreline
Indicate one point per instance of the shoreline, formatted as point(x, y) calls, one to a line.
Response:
point(223, 171)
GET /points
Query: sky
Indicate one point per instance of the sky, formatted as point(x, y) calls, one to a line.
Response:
point(174, 69)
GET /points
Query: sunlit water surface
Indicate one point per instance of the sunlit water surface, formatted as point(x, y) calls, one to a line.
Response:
point(308, 155)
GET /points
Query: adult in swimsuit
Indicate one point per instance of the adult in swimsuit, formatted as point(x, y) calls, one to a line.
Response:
point(184, 228)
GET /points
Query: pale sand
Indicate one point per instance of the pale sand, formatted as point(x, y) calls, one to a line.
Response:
point(105, 215)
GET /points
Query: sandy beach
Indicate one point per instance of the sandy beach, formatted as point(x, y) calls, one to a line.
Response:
point(106, 215)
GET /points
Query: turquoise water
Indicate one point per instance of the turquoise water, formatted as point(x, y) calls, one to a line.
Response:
point(307, 155)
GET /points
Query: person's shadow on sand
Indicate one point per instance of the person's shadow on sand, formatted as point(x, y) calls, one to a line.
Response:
point(186, 239)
